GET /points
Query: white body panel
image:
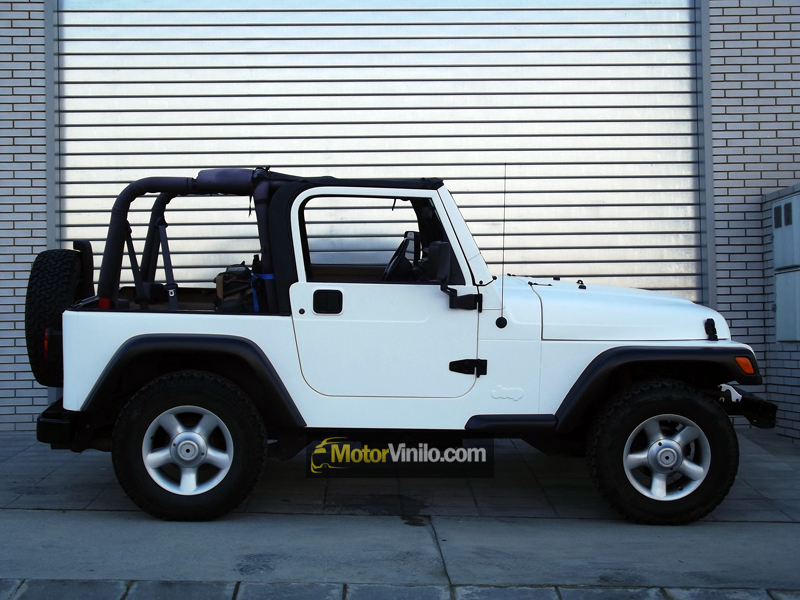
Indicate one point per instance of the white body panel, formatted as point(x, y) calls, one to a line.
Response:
point(513, 365)
point(513, 352)
point(383, 362)
point(92, 337)
point(275, 336)
point(389, 340)
point(602, 312)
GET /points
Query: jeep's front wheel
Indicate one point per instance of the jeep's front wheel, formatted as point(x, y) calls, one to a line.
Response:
point(662, 453)
point(189, 446)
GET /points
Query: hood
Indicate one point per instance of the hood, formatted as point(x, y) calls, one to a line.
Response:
point(603, 312)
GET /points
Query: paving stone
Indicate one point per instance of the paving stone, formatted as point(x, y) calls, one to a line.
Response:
point(7, 586)
point(50, 502)
point(742, 490)
point(54, 589)
point(531, 513)
point(7, 498)
point(256, 505)
point(513, 502)
point(290, 591)
point(115, 505)
point(449, 511)
point(581, 593)
point(600, 512)
point(788, 507)
point(397, 592)
point(750, 516)
point(715, 594)
point(180, 590)
point(473, 592)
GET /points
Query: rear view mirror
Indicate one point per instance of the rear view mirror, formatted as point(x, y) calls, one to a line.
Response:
point(439, 258)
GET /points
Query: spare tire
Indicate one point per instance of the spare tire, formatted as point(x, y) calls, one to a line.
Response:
point(52, 287)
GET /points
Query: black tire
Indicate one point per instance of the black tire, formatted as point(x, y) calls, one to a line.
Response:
point(189, 396)
point(662, 481)
point(52, 286)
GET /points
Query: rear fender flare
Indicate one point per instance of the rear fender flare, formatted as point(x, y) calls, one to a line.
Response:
point(267, 391)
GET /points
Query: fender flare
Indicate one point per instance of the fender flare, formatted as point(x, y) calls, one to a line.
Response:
point(275, 401)
point(587, 388)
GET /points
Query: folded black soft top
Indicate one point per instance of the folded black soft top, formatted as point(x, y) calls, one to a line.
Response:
point(238, 181)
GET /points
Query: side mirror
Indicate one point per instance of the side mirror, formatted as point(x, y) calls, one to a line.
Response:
point(439, 257)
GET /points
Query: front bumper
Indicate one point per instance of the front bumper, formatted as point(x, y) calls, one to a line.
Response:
point(759, 412)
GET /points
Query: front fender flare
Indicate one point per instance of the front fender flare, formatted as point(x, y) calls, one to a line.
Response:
point(586, 389)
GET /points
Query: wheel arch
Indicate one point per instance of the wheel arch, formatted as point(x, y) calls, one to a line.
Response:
point(143, 358)
point(700, 367)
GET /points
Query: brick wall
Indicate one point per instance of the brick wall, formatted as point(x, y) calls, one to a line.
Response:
point(755, 67)
point(22, 199)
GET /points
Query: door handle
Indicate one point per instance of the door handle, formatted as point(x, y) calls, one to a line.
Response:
point(328, 302)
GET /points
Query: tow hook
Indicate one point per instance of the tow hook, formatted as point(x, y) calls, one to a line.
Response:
point(739, 402)
point(729, 393)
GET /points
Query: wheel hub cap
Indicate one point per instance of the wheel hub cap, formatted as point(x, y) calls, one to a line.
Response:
point(188, 449)
point(665, 456)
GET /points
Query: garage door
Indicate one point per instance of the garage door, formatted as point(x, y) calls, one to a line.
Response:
point(584, 112)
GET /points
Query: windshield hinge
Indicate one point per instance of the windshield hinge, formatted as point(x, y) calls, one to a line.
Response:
point(465, 302)
point(470, 366)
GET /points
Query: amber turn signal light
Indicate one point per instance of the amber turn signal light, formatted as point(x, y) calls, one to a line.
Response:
point(745, 364)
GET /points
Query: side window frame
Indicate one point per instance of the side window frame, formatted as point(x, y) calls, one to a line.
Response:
point(300, 240)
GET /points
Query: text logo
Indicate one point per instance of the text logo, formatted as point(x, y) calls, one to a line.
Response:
point(340, 457)
point(508, 393)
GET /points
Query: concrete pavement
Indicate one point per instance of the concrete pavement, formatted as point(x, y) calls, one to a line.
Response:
point(181, 590)
point(537, 530)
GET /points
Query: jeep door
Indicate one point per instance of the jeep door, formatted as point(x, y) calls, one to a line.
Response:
point(360, 333)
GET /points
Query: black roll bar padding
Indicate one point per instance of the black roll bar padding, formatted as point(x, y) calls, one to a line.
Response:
point(85, 287)
point(213, 181)
point(108, 284)
point(261, 200)
point(153, 241)
point(225, 181)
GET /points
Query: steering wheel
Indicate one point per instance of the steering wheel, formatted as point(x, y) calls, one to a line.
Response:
point(394, 262)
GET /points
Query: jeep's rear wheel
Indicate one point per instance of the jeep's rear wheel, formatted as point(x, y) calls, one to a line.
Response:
point(662, 453)
point(52, 286)
point(189, 446)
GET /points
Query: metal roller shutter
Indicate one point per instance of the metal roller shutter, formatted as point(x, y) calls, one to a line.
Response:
point(590, 104)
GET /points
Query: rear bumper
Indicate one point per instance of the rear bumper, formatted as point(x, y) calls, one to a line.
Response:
point(57, 426)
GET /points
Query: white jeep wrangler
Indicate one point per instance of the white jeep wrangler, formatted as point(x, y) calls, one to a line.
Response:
point(320, 336)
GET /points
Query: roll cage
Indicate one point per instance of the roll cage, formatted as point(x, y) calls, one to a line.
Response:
point(273, 195)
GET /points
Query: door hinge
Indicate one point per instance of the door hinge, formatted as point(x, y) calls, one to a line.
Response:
point(469, 366)
point(466, 302)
